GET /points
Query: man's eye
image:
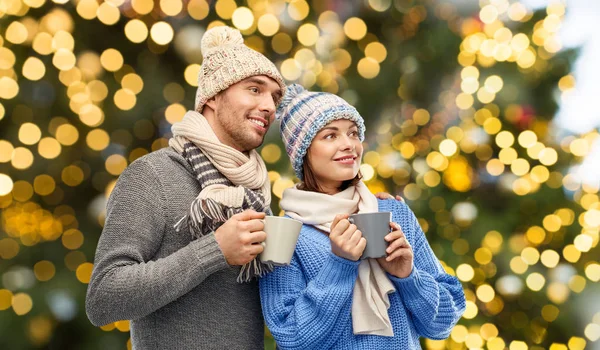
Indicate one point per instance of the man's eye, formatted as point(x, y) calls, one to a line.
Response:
point(253, 89)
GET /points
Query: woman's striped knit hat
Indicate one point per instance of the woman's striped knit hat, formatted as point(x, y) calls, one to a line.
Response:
point(303, 113)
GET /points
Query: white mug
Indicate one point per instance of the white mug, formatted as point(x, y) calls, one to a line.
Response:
point(282, 235)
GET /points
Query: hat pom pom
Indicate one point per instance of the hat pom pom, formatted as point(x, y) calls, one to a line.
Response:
point(220, 36)
point(292, 91)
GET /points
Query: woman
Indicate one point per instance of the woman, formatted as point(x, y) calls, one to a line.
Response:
point(327, 298)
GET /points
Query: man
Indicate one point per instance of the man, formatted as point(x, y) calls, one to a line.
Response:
point(155, 263)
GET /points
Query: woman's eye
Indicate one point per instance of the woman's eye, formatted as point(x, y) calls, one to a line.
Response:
point(255, 90)
point(330, 136)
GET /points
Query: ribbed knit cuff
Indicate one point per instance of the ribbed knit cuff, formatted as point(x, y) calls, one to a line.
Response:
point(409, 287)
point(337, 270)
point(209, 254)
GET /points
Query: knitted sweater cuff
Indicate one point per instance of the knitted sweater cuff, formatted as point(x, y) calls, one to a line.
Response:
point(209, 254)
point(409, 287)
point(337, 270)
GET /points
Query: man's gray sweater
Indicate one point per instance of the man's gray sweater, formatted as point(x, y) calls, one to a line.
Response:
point(178, 293)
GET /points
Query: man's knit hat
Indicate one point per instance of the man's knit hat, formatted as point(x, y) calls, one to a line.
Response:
point(228, 61)
point(303, 113)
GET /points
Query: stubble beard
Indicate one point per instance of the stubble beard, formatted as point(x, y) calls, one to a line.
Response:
point(236, 130)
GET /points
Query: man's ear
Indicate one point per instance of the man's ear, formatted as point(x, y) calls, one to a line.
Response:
point(211, 103)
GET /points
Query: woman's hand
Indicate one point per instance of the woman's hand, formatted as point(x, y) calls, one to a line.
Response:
point(385, 195)
point(399, 260)
point(346, 240)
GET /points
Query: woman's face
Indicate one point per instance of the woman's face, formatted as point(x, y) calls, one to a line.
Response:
point(335, 154)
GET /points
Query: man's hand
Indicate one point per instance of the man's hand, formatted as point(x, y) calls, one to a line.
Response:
point(385, 195)
point(239, 237)
point(399, 260)
point(346, 240)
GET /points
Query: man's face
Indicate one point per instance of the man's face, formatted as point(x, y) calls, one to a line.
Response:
point(244, 112)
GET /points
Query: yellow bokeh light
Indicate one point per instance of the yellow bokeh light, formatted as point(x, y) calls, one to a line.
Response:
point(518, 345)
point(488, 14)
point(519, 42)
point(29, 134)
point(242, 18)
point(9, 88)
point(133, 83)
point(367, 171)
point(63, 59)
point(67, 134)
point(495, 167)
point(494, 83)
point(298, 10)
point(88, 9)
point(290, 69)
point(143, 7)
point(519, 167)
point(44, 270)
point(7, 58)
point(566, 83)
point(44, 185)
point(376, 50)
point(49, 148)
point(505, 139)
point(171, 7)
point(6, 184)
point(308, 34)
point(84, 272)
point(517, 11)
point(22, 158)
point(527, 138)
point(198, 9)
point(136, 31)
point(6, 150)
point(108, 13)
point(470, 310)
point(125, 99)
point(548, 156)
point(368, 68)
point(550, 312)
point(16, 33)
point(465, 272)
point(72, 239)
point(526, 58)
point(535, 281)
point(464, 101)
point(579, 147)
point(448, 147)
point(280, 185)
point(592, 331)
point(355, 28)
point(162, 33)
point(191, 74)
point(268, 24)
point(483, 256)
point(507, 155)
point(175, 113)
point(530, 255)
point(281, 43)
point(115, 164)
point(72, 175)
point(91, 115)
point(97, 139)
point(225, 8)
point(111, 60)
point(22, 303)
point(271, 153)
point(485, 293)
point(33, 69)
